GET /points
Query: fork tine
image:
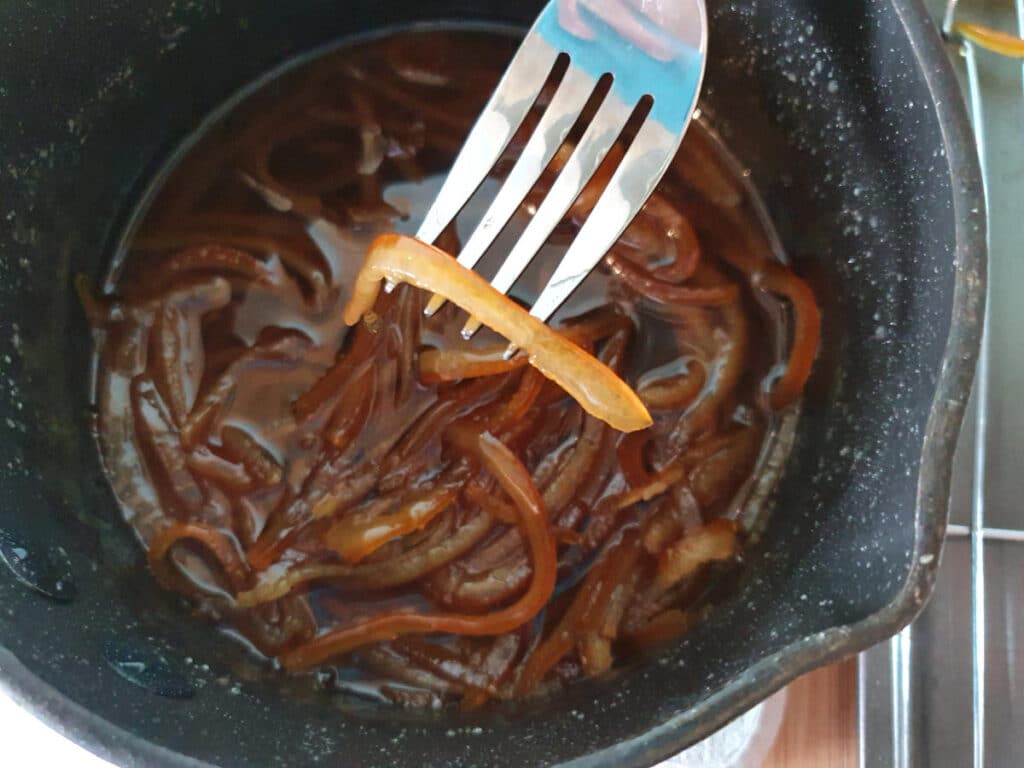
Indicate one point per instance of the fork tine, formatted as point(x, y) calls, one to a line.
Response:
point(504, 113)
point(599, 137)
point(642, 167)
point(561, 114)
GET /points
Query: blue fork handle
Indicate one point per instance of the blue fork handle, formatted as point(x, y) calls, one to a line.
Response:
point(646, 57)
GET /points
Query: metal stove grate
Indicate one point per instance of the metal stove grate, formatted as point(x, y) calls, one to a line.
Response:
point(947, 691)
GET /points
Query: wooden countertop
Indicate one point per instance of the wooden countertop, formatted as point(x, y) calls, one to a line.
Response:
point(819, 728)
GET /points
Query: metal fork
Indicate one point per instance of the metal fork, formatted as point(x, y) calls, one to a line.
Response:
point(651, 48)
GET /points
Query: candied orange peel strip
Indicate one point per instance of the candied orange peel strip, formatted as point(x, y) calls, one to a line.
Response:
point(592, 384)
point(993, 40)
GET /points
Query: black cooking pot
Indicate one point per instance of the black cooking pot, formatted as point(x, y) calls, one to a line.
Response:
point(851, 123)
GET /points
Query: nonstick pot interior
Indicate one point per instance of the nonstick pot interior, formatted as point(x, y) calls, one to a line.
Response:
point(852, 129)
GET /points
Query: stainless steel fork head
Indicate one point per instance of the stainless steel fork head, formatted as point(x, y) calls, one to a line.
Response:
point(650, 48)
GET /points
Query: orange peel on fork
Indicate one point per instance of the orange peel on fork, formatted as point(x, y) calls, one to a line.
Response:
point(401, 259)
